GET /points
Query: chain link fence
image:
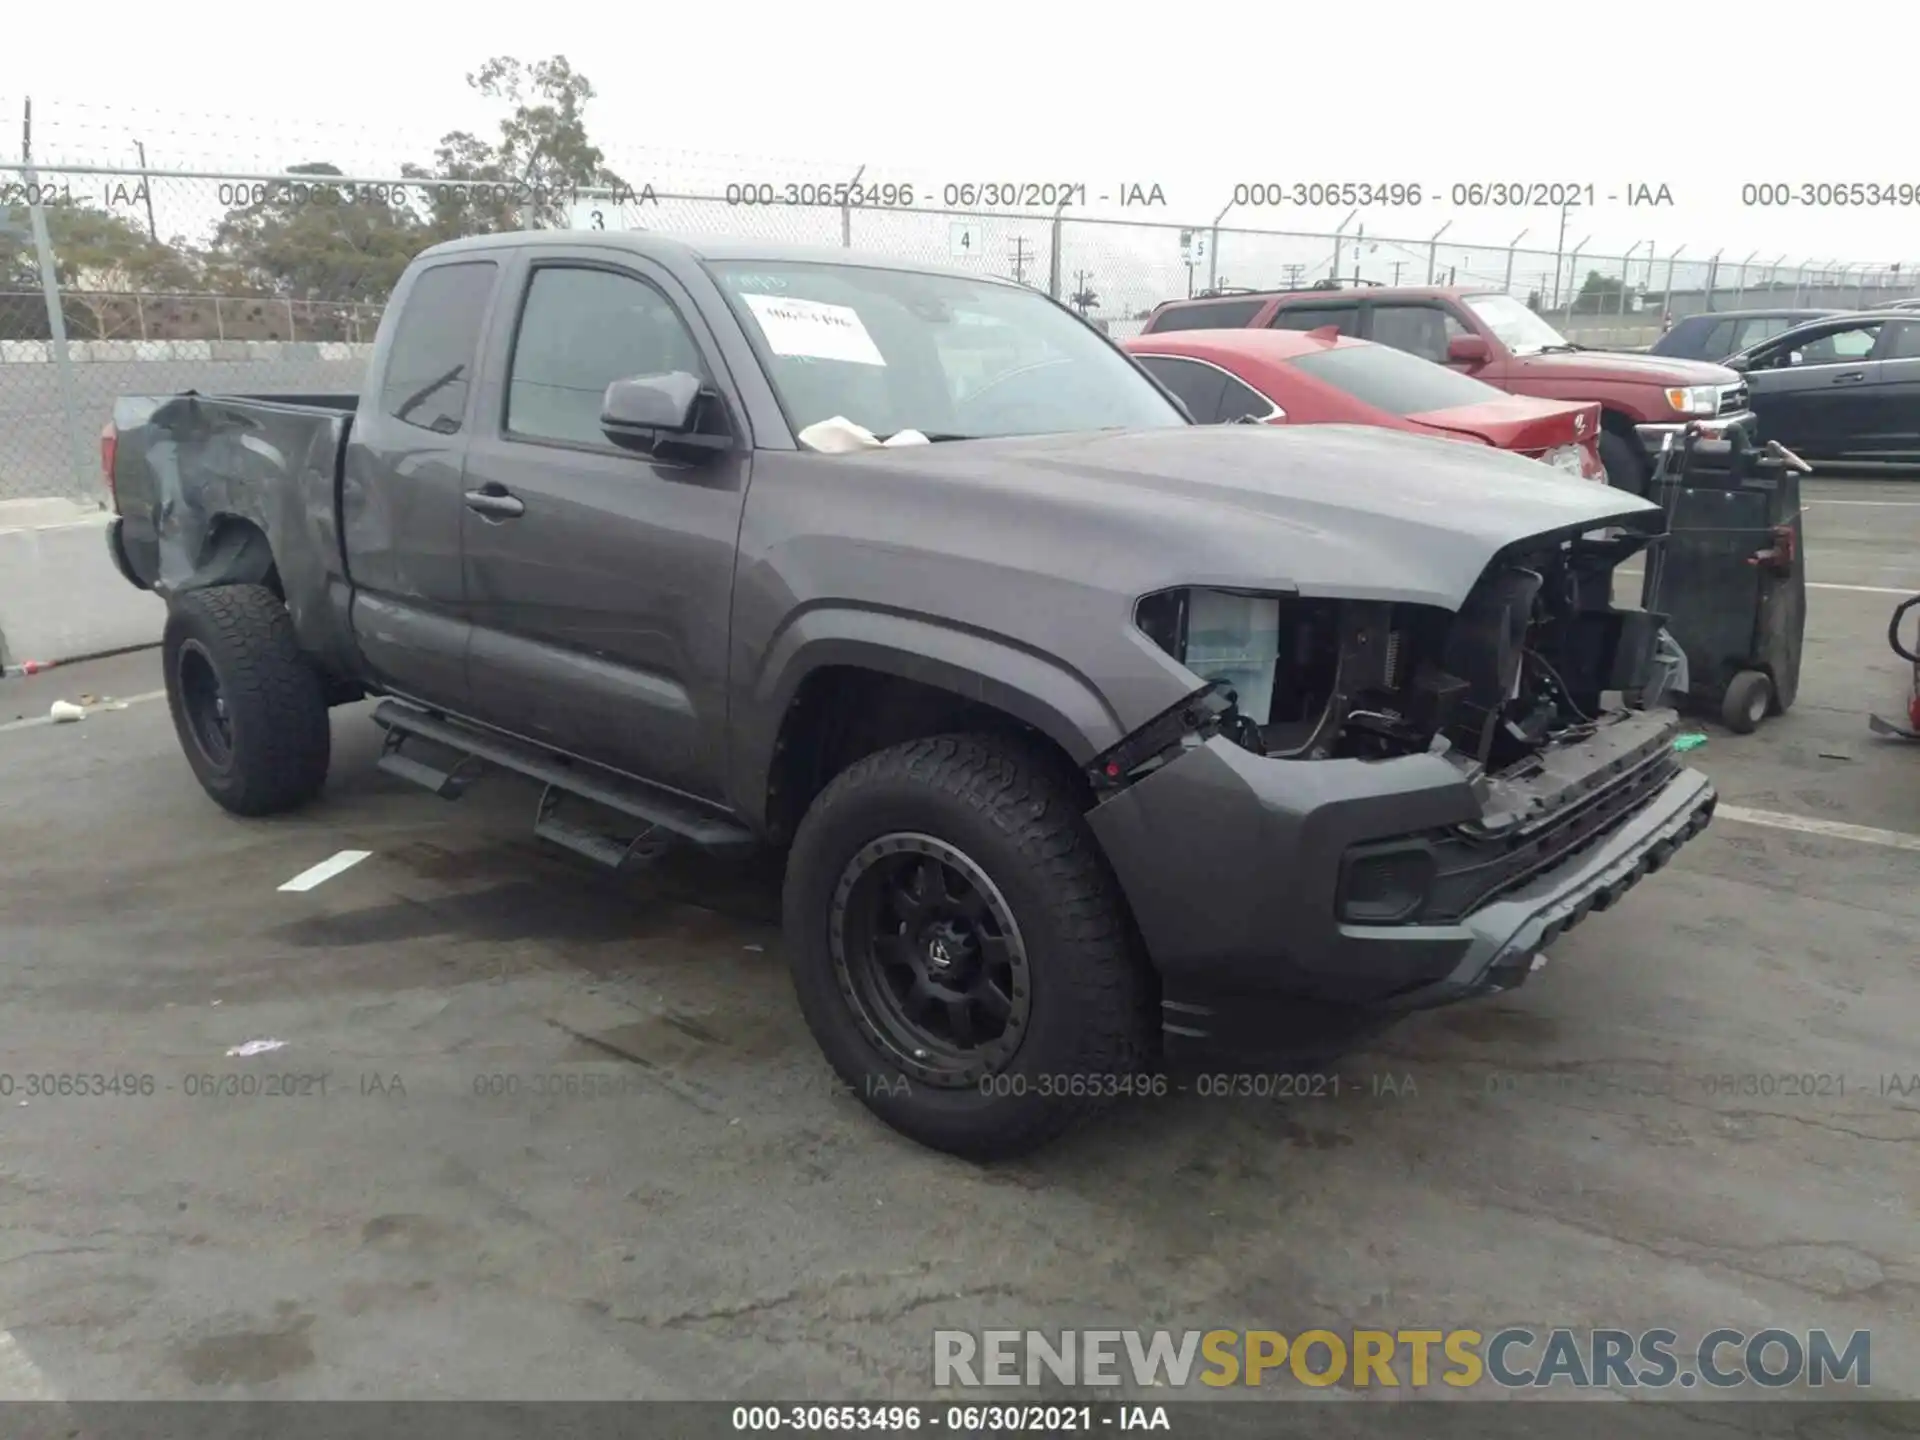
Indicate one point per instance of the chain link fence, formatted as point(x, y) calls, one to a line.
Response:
point(122, 281)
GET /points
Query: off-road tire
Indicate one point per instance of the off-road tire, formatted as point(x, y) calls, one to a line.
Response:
point(1009, 810)
point(1626, 463)
point(275, 699)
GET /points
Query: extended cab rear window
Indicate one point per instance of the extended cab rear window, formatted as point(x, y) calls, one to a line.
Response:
point(1229, 315)
point(435, 343)
point(1394, 381)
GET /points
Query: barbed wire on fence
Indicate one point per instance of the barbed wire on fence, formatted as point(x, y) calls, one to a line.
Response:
point(168, 279)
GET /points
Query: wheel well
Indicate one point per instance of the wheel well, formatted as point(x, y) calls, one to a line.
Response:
point(1617, 423)
point(844, 712)
point(237, 551)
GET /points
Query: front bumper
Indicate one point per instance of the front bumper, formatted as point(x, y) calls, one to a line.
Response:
point(1231, 864)
point(1653, 436)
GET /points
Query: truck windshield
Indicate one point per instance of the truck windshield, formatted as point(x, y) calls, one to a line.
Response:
point(1518, 328)
point(949, 356)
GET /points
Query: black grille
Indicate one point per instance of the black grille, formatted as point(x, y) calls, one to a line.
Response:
point(1733, 400)
point(1474, 870)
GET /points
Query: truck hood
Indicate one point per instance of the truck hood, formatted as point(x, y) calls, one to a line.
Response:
point(1624, 365)
point(1334, 510)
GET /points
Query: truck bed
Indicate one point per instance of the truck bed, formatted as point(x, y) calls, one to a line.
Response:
point(213, 489)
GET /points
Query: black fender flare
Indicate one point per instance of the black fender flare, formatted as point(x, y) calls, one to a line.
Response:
point(987, 669)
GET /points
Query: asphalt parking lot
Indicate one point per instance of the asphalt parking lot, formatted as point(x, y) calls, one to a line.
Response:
point(426, 1206)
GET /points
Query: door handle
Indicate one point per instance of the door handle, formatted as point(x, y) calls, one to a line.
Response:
point(1851, 377)
point(495, 504)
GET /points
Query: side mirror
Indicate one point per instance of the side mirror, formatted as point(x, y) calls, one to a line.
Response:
point(1468, 350)
point(653, 413)
point(1738, 362)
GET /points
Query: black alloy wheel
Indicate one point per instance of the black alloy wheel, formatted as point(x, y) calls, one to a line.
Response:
point(931, 960)
point(203, 704)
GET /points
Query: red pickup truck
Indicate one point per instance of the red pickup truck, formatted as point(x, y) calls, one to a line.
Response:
point(1496, 338)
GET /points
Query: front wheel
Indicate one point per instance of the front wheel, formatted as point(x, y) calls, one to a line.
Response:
point(959, 948)
point(249, 707)
point(1625, 462)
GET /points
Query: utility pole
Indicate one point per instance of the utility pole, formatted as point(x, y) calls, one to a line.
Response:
point(1293, 276)
point(56, 308)
point(1396, 270)
point(1559, 254)
point(1020, 259)
point(146, 189)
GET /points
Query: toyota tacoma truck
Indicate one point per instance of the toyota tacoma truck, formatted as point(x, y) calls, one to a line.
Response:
point(1097, 741)
point(1495, 338)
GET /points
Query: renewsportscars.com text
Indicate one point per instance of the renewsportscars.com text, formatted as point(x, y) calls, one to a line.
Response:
point(1512, 1358)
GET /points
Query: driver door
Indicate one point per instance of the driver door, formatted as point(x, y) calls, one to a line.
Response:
point(1813, 392)
point(599, 581)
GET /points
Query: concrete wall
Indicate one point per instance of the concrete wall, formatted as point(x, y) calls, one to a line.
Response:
point(1780, 297)
point(60, 597)
point(42, 454)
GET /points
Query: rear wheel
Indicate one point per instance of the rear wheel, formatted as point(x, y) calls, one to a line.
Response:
point(960, 951)
point(1625, 462)
point(249, 707)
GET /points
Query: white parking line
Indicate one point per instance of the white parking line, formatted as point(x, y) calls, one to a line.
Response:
point(20, 1378)
point(1807, 825)
point(326, 870)
point(1860, 589)
point(1811, 585)
point(33, 720)
point(1895, 504)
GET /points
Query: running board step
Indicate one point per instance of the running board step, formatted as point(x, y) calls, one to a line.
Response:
point(447, 784)
point(660, 809)
point(595, 845)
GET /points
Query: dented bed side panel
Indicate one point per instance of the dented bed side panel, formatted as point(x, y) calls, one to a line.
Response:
point(223, 490)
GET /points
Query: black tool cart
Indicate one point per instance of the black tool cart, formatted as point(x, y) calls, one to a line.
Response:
point(1728, 576)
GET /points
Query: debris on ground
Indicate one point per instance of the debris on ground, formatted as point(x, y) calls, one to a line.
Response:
point(65, 712)
point(1688, 742)
point(253, 1047)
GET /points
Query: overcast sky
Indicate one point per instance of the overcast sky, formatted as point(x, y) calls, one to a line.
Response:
point(1191, 98)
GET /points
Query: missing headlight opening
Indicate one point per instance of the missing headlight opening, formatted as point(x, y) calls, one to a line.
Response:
point(1523, 665)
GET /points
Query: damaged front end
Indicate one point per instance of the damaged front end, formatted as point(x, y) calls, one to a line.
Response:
point(1527, 663)
point(1411, 802)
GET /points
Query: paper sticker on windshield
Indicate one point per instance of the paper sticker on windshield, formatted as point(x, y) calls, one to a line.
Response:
point(813, 330)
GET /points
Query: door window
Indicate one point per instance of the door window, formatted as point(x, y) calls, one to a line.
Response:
point(1220, 315)
point(1422, 330)
point(1902, 341)
point(1836, 347)
point(1242, 402)
point(581, 330)
point(430, 362)
point(1720, 339)
point(1312, 317)
point(1752, 332)
point(1199, 386)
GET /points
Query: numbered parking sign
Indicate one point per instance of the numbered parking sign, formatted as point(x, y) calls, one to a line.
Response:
point(601, 214)
point(963, 239)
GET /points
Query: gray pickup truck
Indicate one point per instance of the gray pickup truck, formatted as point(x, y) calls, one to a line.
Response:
point(1098, 742)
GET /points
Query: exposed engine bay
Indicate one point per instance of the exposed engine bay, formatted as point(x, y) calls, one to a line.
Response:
point(1524, 666)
